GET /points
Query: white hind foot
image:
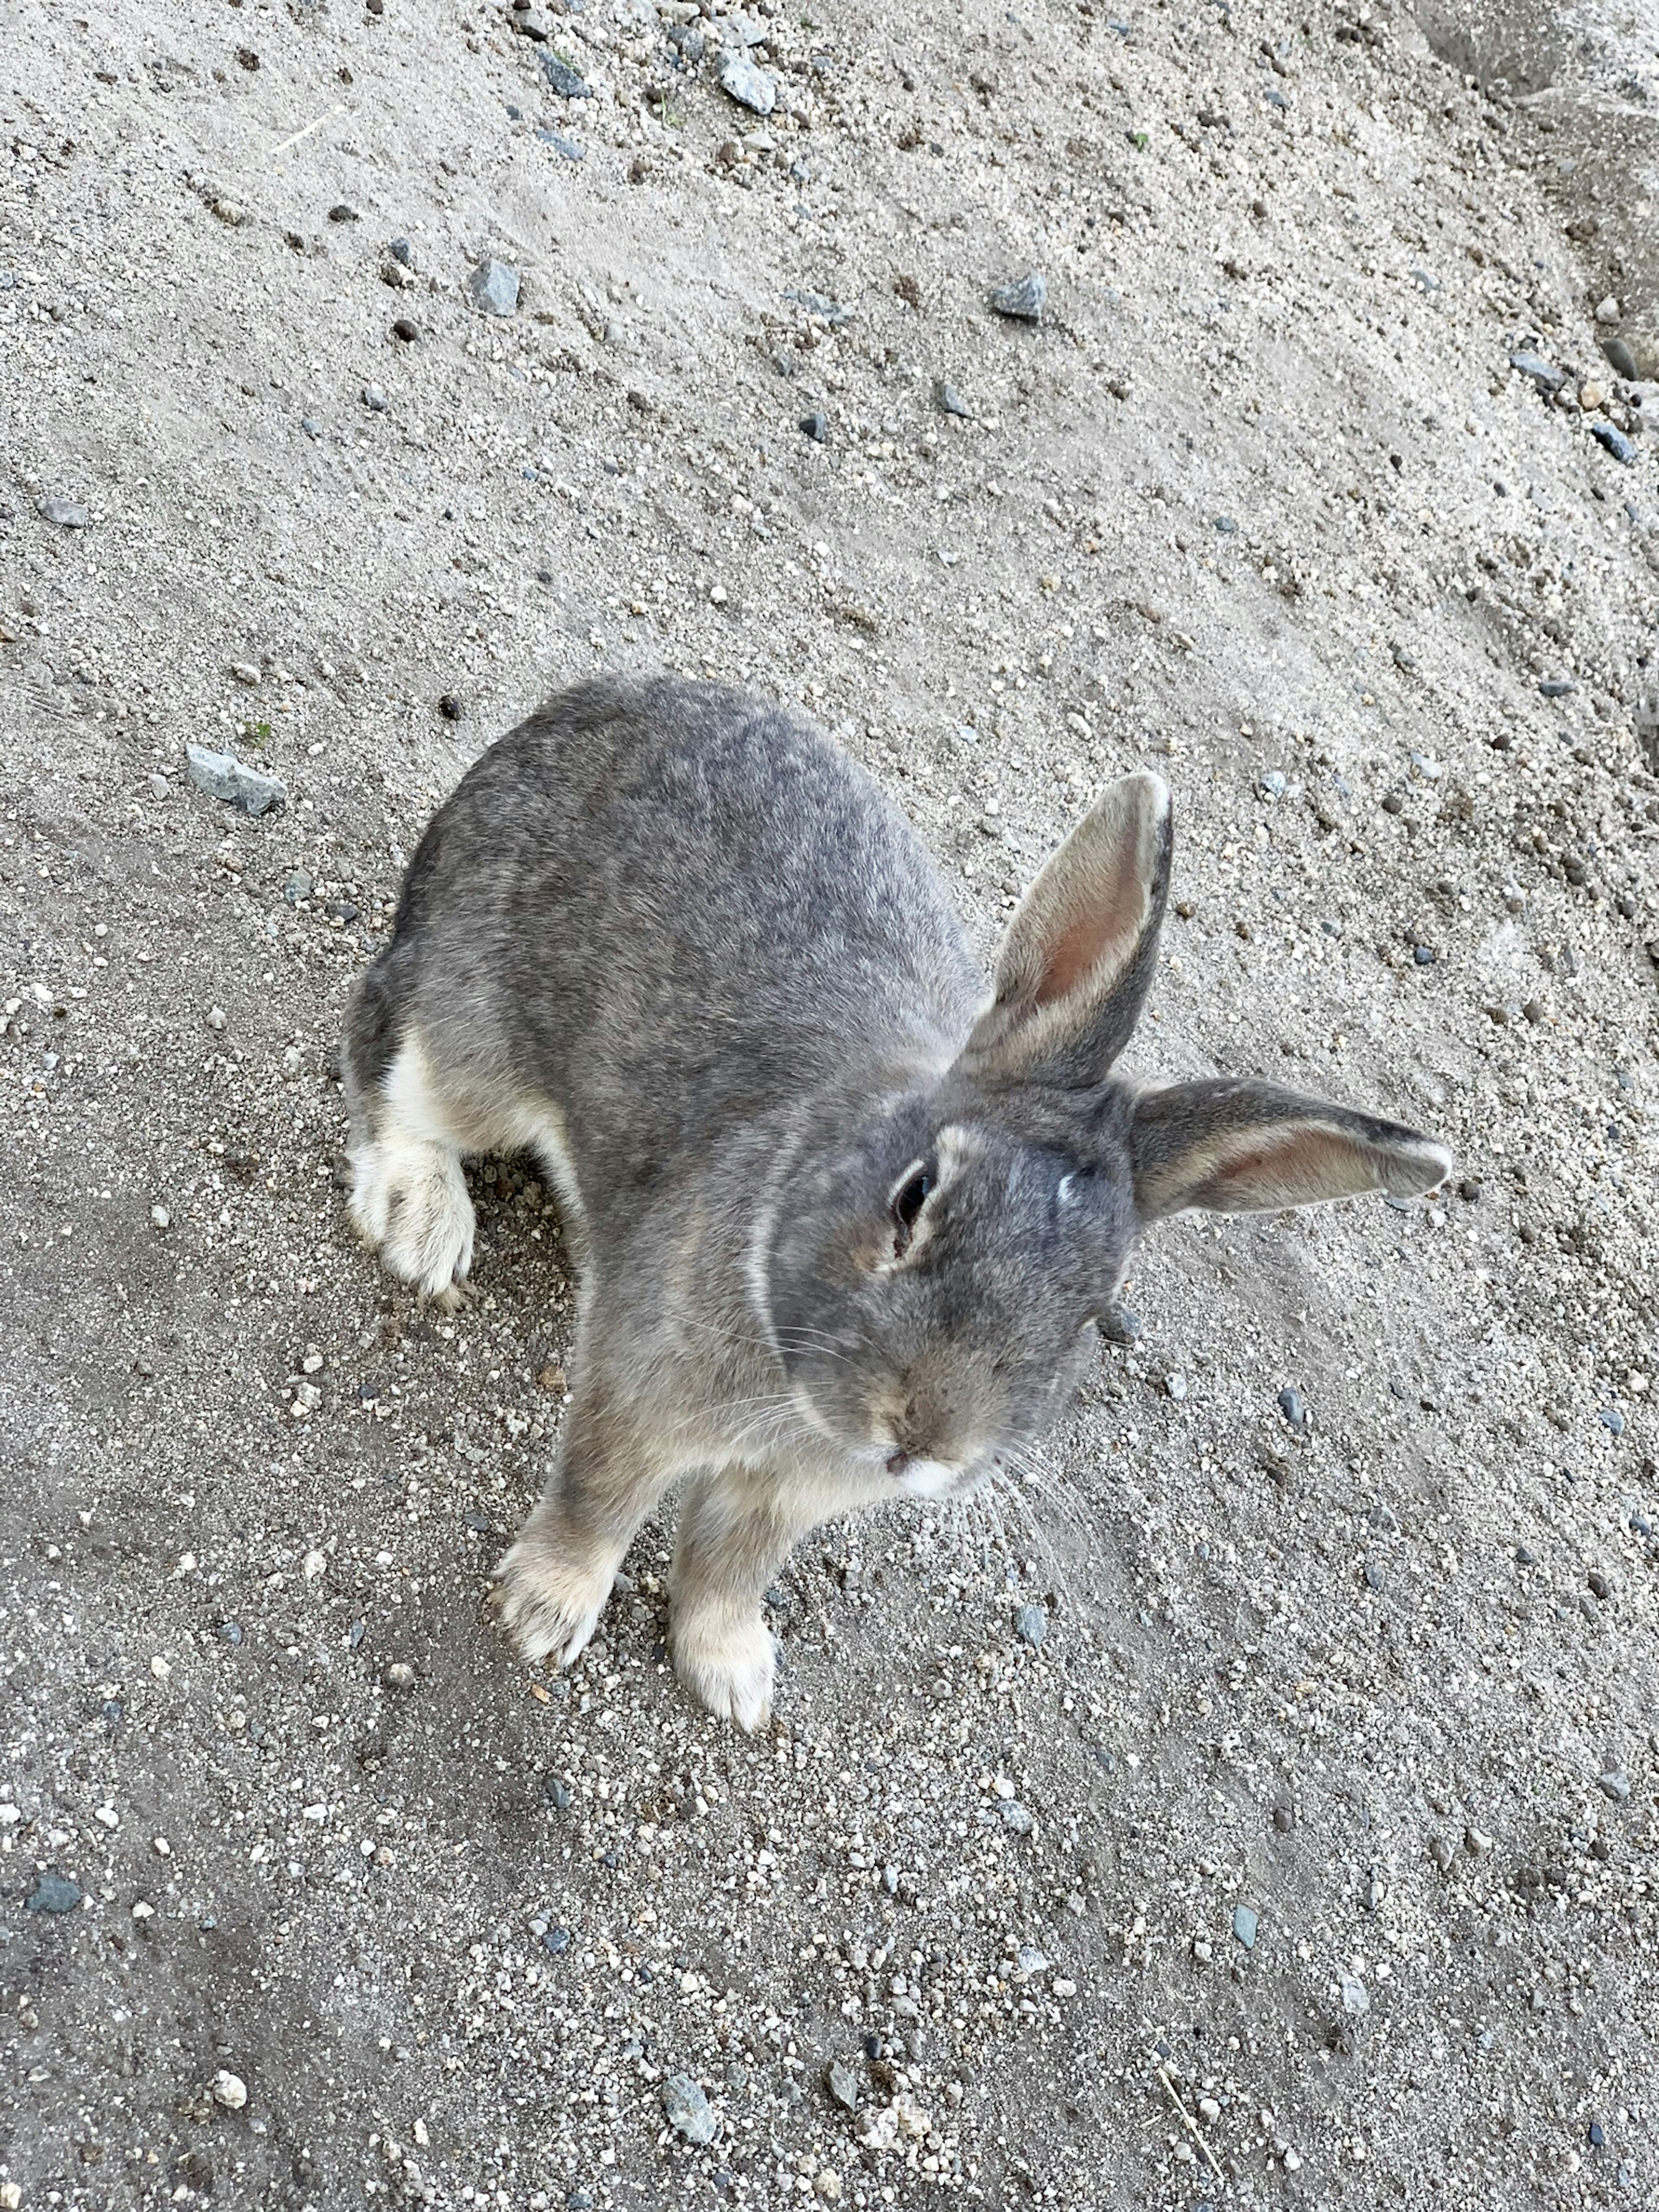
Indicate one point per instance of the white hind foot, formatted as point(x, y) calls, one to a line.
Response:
point(410, 1200)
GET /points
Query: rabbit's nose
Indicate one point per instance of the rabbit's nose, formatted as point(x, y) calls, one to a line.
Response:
point(896, 1463)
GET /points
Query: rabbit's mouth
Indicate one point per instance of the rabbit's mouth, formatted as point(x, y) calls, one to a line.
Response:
point(928, 1478)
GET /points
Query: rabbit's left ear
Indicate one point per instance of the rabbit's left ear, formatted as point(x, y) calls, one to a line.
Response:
point(1077, 961)
point(1243, 1147)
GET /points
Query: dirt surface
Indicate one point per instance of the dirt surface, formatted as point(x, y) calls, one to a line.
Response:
point(1293, 1761)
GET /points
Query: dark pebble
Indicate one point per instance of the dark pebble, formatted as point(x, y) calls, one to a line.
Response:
point(556, 1794)
point(1557, 687)
point(1597, 2135)
point(342, 213)
point(566, 148)
point(1423, 954)
point(1548, 379)
point(1293, 1407)
point(949, 399)
point(1121, 1326)
point(563, 79)
point(1023, 300)
point(403, 329)
point(1523, 1557)
point(816, 426)
point(1612, 439)
point(1600, 1584)
point(557, 1940)
point(449, 706)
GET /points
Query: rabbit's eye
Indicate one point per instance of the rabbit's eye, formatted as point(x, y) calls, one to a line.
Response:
point(907, 1202)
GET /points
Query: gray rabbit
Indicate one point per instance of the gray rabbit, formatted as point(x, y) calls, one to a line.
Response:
point(845, 1220)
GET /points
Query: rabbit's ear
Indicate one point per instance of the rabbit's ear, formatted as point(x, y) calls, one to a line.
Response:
point(1077, 962)
point(1246, 1147)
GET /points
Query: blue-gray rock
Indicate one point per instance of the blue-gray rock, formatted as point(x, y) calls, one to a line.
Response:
point(1548, 379)
point(557, 1940)
point(1271, 783)
point(53, 506)
point(687, 2110)
point(1613, 1420)
point(949, 399)
point(1023, 299)
point(1226, 525)
point(1614, 1784)
point(374, 399)
point(1557, 687)
point(313, 426)
point(495, 288)
point(816, 426)
point(1293, 1406)
point(222, 775)
point(297, 887)
point(1016, 1817)
point(1609, 435)
point(817, 304)
point(1032, 1624)
point(1244, 1925)
point(566, 148)
point(52, 1893)
point(688, 43)
point(842, 2085)
point(747, 83)
point(402, 252)
point(231, 1633)
point(1121, 1327)
point(564, 80)
point(1423, 954)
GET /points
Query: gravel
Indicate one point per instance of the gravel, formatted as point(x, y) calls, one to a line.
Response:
point(493, 286)
point(222, 775)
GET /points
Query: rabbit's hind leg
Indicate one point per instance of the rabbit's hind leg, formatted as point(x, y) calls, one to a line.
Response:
point(409, 1197)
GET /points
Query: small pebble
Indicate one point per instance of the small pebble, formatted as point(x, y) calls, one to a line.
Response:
point(229, 2090)
point(1023, 299)
point(493, 286)
point(842, 2085)
point(563, 79)
point(687, 2110)
point(68, 513)
point(1292, 1407)
point(749, 85)
point(222, 775)
point(1121, 1326)
point(1614, 1784)
point(1244, 1925)
point(400, 1676)
point(815, 427)
point(52, 1893)
point(1032, 1624)
point(949, 400)
point(374, 399)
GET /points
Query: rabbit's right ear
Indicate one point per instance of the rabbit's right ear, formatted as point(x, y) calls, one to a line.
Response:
point(1077, 961)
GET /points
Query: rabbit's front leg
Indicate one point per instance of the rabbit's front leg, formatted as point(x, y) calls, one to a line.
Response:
point(555, 1579)
point(736, 1529)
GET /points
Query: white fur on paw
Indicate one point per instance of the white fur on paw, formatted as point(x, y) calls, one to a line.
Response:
point(727, 1665)
point(410, 1201)
point(551, 1603)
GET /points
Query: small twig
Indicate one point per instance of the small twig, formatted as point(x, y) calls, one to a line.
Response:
point(337, 109)
point(1190, 2125)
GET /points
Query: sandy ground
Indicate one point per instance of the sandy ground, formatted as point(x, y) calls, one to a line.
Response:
point(1265, 1816)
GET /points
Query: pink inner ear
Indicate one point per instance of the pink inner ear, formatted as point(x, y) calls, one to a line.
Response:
point(1078, 950)
point(1305, 1163)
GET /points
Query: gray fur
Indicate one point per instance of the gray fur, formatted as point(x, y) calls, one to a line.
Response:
point(675, 939)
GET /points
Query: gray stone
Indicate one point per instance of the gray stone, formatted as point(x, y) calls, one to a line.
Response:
point(54, 508)
point(374, 399)
point(1121, 1326)
point(52, 1893)
point(1244, 1925)
point(1620, 359)
point(1291, 1404)
point(949, 399)
point(689, 42)
point(1614, 1784)
point(313, 426)
point(495, 288)
point(297, 887)
point(1356, 1997)
point(1032, 1624)
point(1608, 435)
point(1557, 687)
point(1015, 1817)
point(1548, 379)
point(816, 426)
point(566, 149)
point(563, 79)
point(1023, 300)
point(749, 86)
point(687, 2110)
point(816, 303)
point(402, 251)
point(222, 775)
point(842, 2085)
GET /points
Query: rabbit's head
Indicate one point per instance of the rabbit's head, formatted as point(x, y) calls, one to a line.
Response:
point(934, 1280)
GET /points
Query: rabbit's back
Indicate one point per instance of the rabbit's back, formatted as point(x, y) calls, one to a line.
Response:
point(669, 907)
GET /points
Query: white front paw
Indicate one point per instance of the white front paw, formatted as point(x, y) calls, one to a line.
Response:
point(728, 1664)
point(551, 1599)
